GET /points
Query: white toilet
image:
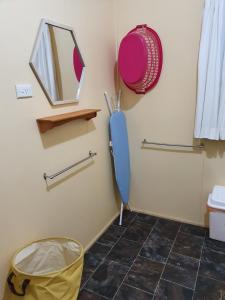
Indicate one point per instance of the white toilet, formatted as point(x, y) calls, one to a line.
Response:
point(216, 205)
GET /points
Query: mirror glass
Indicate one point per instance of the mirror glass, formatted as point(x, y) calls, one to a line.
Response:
point(57, 63)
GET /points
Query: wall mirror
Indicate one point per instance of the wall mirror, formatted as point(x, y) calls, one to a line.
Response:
point(57, 63)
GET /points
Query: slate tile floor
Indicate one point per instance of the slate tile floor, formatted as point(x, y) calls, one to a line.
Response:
point(153, 258)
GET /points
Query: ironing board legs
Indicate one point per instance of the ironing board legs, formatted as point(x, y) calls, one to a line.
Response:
point(129, 208)
point(121, 214)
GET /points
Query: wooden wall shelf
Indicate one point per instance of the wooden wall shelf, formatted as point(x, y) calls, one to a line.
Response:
point(47, 123)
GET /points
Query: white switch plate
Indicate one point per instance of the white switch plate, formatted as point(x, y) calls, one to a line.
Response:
point(24, 91)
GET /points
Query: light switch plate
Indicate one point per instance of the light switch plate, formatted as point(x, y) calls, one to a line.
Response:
point(24, 90)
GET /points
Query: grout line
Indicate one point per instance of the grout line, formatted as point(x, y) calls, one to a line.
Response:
point(134, 287)
point(194, 258)
point(194, 235)
point(94, 240)
point(133, 241)
point(167, 261)
point(199, 265)
point(125, 228)
point(208, 277)
point(114, 225)
point(134, 260)
point(103, 260)
point(168, 218)
point(179, 268)
point(138, 255)
point(146, 223)
point(214, 250)
point(93, 272)
point(93, 292)
point(122, 233)
point(84, 283)
point(179, 284)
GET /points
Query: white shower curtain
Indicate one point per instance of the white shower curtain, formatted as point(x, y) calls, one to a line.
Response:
point(210, 111)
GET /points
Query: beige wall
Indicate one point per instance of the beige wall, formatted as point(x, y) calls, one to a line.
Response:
point(169, 183)
point(83, 204)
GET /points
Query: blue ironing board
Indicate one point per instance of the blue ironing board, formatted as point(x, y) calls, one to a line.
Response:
point(121, 156)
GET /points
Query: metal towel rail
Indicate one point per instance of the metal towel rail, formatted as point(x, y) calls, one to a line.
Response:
point(145, 142)
point(91, 154)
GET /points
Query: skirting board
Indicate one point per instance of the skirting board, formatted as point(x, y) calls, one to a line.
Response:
point(138, 211)
point(165, 217)
point(101, 232)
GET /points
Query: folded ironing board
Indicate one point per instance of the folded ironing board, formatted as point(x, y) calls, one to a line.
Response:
point(121, 156)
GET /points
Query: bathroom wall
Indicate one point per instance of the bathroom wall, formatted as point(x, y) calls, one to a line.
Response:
point(174, 184)
point(81, 203)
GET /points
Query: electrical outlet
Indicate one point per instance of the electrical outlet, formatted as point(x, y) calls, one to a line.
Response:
point(24, 91)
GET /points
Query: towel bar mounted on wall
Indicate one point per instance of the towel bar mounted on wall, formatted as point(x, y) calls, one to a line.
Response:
point(200, 147)
point(91, 154)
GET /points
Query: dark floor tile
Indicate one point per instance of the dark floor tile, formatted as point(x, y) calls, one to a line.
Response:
point(181, 270)
point(146, 218)
point(142, 264)
point(128, 217)
point(209, 289)
point(94, 256)
point(137, 231)
point(214, 244)
point(125, 251)
point(156, 248)
point(212, 264)
point(192, 229)
point(144, 274)
point(101, 279)
point(85, 295)
point(171, 291)
point(111, 235)
point(130, 293)
point(184, 262)
point(189, 245)
point(166, 228)
point(107, 279)
point(180, 276)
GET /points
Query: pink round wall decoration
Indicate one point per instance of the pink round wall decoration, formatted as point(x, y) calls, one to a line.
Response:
point(77, 63)
point(140, 59)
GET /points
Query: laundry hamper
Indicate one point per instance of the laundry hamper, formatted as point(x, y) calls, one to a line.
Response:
point(48, 269)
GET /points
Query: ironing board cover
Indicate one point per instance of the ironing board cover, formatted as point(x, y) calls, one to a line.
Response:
point(121, 156)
